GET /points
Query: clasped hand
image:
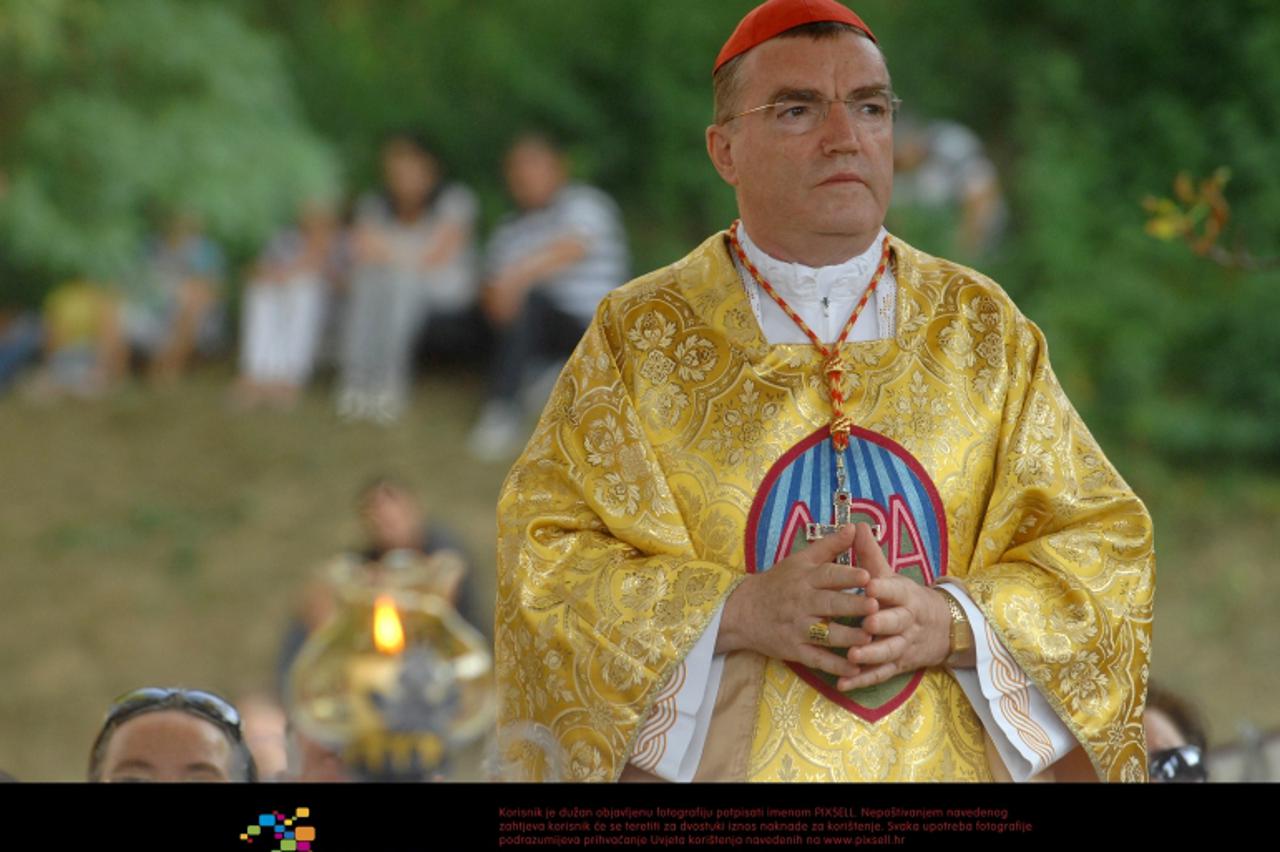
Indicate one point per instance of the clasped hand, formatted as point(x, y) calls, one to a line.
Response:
point(905, 626)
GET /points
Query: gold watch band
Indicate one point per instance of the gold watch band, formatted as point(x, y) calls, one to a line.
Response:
point(961, 636)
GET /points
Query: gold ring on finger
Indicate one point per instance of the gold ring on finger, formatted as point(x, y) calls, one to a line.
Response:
point(819, 633)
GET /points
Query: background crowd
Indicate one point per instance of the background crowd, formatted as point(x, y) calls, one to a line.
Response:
point(253, 257)
point(400, 279)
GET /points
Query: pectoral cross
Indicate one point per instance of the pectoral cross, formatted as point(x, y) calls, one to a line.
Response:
point(842, 501)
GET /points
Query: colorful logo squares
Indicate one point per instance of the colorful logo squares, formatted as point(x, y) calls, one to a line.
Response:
point(291, 837)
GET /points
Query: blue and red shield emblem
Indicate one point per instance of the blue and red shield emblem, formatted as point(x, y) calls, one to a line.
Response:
point(891, 491)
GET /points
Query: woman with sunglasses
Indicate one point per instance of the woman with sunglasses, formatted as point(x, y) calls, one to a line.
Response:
point(156, 734)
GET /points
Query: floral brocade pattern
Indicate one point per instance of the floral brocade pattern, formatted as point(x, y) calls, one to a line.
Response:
point(801, 736)
point(621, 527)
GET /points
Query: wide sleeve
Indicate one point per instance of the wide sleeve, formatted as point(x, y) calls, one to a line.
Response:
point(600, 592)
point(1027, 734)
point(1064, 568)
point(673, 736)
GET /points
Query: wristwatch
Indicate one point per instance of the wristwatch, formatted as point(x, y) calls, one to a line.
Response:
point(961, 635)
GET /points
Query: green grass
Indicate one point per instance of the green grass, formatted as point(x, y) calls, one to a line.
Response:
point(160, 538)
point(1217, 591)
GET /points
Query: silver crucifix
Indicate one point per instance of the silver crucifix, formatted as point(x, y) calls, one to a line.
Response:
point(842, 500)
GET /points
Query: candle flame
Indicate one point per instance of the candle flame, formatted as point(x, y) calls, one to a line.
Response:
point(388, 632)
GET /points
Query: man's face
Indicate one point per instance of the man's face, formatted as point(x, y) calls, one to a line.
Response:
point(392, 519)
point(535, 174)
point(168, 745)
point(410, 174)
point(819, 197)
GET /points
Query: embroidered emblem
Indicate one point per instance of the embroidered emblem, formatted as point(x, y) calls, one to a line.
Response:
point(888, 489)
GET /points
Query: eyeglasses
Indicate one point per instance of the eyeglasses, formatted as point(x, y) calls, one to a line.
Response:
point(804, 112)
point(1184, 763)
point(206, 704)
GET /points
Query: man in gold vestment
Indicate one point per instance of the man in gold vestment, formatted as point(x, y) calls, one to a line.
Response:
point(673, 597)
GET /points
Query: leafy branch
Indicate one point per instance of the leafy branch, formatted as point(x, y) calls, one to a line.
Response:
point(1197, 215)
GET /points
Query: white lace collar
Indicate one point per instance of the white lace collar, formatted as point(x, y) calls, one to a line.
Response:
point(796, 282)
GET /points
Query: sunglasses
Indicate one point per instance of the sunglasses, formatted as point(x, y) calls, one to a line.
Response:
point(1185, 763)
point(205, 704)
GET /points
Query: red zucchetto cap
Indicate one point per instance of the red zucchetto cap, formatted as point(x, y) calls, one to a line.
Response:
point(777, 16)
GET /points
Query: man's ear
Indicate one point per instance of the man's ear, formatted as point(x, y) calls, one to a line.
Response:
point(720, 150)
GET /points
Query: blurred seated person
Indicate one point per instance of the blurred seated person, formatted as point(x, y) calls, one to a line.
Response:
point(285, 303)
point(20, 332)
point(21, 336)
point(1176, 740)
point(394, 519)
point(394, 523)
point(84, 351)
point(548, 265)
point(157, 734)
point(172, 307)
point(413, 265)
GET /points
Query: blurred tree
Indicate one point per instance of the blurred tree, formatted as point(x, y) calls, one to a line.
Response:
point(626, 85)
point(1090, 109)
point(1197, 215)
point(1085, 109)
point(114, 113)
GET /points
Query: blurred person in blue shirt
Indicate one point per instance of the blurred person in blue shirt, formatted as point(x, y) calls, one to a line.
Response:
point(173, 307)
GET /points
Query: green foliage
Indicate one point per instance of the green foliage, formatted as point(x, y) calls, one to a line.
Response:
point(126, 111)
point(626, 85)
point(1086, 112)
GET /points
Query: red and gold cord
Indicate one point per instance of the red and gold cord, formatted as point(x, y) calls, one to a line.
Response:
point(834, 368)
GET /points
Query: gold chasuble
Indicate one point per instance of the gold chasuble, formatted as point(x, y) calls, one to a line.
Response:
point(679, 451)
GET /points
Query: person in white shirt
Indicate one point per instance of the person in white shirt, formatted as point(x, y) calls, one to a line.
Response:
point(549, 265)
